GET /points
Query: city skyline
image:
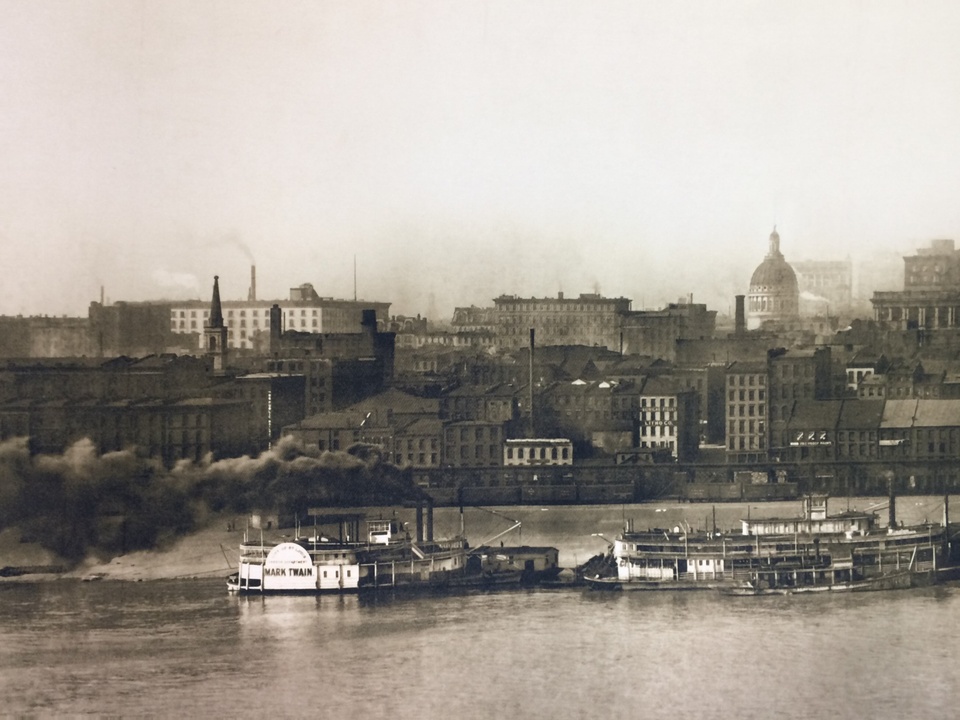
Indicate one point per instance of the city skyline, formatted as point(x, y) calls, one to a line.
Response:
point(464, 152)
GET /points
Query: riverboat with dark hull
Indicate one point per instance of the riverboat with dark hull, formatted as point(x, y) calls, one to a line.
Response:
point(815, 552)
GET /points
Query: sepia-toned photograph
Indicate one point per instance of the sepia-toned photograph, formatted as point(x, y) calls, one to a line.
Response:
point(468, 359)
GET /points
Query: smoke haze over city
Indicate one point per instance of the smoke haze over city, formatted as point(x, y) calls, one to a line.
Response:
point(464, 150)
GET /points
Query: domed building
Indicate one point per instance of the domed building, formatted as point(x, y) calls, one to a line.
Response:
point(774, 292)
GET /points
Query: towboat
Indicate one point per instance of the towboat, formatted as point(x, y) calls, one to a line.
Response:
point(814, 552)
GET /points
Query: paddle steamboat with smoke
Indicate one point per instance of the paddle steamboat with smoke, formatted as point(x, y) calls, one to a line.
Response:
point(386, 557)
point(815, 552)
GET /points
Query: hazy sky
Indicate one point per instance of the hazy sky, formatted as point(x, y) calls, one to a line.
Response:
point(464, 149)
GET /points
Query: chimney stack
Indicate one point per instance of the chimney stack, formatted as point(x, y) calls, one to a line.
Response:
point(740, 324)
point(252, 295)
point(533, 430)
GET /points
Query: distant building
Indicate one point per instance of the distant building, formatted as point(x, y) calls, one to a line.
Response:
point(589, 319)
point(656, 332)
point(774, 292)
point(246, 320)
point(930, 299)
point(826, 284)
point(475, 319)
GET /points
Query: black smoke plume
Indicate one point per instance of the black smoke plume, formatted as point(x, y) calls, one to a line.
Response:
point(83, 501)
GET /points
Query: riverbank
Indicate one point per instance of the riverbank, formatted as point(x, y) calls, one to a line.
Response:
point(208, 552)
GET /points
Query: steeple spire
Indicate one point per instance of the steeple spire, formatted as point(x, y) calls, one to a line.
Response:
point(216, 312)
point(774, 243)
point(215, 332)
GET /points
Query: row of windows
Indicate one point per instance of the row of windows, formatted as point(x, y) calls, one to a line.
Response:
point(478, 434)
point(751, 442)
point(541, 453)
point(749, 380)
point(744, 395)
point(747, 426)
point(242, 313)
point(746, 410)
point(796, 370)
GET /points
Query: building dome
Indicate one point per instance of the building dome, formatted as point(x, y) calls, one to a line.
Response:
point(774, 292)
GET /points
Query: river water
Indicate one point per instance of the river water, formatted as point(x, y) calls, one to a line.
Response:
point(187, 648)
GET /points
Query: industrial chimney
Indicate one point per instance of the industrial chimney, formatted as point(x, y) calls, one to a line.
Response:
point(533, 427)
point(252, 294)
point(740, 323)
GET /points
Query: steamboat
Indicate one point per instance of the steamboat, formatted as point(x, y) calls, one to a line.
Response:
point(386, 557)
point(815, 552)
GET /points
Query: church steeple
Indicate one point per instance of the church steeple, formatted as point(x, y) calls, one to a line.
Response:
point(216, 312)
point(215, 332)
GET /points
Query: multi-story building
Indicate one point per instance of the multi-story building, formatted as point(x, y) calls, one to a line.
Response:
point(746, 414)
point(537, 451)
point(930, 298)
point(825, 282)
point(811, 432)
point(862, 366)
point(655, 332)
point(797, 374)
point(668, 418)
point(474, 319)
point(589, 319)
point(276, 400)
point(600, 413)
point(919, 429)
point(171, 430)
point(489, 403)
point(858, 430)
point(473, 443)
point(247, 320)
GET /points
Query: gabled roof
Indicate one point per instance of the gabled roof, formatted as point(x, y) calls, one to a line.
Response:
point(659, 386)
point(899, 413)
point(397, 402)
point(496, 390)
point(331, 421)
point(937, 413)
point(421, 426)
point(815, 414)
point(860, 415)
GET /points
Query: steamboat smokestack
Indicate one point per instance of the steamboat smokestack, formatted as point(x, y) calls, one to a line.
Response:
point(892, 507)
